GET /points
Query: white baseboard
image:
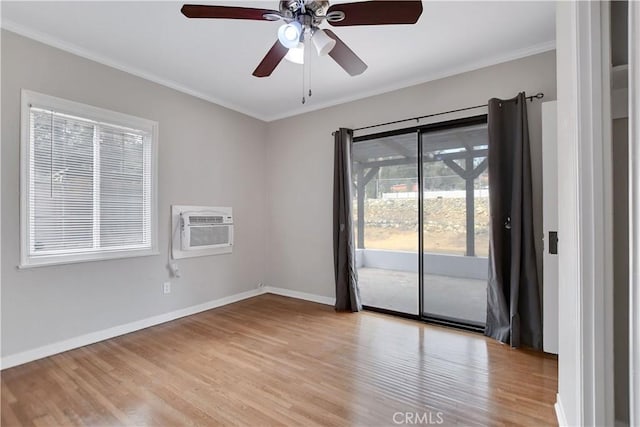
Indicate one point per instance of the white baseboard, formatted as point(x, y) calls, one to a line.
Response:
point(300, 295)
point(93, 337)
point(560, 415)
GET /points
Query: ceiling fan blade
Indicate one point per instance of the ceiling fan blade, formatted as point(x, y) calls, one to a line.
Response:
point(226, 12)
point(345, 56)
point(378, 12)
point(271, 60)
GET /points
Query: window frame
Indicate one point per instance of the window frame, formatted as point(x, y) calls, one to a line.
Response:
point(100, 115)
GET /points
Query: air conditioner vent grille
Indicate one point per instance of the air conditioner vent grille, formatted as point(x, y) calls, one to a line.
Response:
point(206, 219)
point(208, 236)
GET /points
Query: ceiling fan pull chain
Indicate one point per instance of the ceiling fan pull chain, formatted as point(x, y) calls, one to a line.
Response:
point(303, 99)
point(309, 55)
point(303, 66)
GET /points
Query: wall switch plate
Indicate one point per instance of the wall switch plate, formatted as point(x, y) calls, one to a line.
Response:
point(166, 287)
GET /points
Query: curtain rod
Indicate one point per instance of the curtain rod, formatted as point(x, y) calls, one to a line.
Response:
point(538, 95)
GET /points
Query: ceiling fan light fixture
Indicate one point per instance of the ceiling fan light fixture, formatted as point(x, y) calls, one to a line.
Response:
point(289, 34)
point(322, 42)
point(296, 54)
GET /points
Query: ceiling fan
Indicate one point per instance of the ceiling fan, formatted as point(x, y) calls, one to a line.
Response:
point(302, 18)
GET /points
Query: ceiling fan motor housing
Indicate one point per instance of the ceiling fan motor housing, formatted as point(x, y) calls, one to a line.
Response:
point(313, 7)
point(308, 12)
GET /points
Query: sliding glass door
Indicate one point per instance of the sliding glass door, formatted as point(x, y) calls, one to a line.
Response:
point(421, 215)
point(455, 222)
point(385, 170)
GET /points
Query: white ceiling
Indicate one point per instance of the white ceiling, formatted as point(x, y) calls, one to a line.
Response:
point(214, 59)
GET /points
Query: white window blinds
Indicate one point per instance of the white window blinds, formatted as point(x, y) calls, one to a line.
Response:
point(90, 188)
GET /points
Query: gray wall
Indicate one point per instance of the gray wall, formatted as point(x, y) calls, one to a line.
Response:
point(300, 160)
point(277, 176)
point(207, 155)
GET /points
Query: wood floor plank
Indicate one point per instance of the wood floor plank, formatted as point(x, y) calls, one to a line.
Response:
point(272, 360)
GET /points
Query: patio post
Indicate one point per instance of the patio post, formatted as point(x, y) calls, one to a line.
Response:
point(360, 194)
point(471, 250)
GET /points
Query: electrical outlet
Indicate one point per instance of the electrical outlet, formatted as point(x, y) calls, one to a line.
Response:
point(166, 287)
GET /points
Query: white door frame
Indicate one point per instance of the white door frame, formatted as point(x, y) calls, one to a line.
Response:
point(549, 224)
point(634, 213)
point(585, 234)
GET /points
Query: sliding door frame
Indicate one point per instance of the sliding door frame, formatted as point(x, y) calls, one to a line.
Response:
point(419, 131)
point(422, 130)
point(634, 213)
point(420, 226)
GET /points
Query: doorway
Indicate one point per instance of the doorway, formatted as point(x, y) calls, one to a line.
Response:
point(421, 215)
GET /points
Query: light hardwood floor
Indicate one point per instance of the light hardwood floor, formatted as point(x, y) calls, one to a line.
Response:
point(272, 360)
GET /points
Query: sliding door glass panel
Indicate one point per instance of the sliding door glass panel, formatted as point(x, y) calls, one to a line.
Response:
point(481, 211)
point(455, 223)
point(385, 207)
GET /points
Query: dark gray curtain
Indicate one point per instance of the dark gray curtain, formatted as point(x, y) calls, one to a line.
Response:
point(513, 297)
point(347, 292)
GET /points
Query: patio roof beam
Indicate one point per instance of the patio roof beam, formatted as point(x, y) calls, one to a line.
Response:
point(480, 168)
point(442, 145)
point(397, 148)
point(468, 141)
point(390, 162)
point(369, 176)
point(445, 134)
point(462, 155)
point(467, 174)
point(412, 160)
point(456, 168)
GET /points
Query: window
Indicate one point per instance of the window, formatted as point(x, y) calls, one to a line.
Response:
point(88, 182)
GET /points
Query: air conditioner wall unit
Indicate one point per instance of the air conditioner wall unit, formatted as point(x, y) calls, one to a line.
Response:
point(201, 231)
point(205, 230)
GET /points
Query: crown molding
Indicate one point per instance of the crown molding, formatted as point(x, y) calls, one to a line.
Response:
point(84, 53)
point(471, 66)
point(79, 51)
